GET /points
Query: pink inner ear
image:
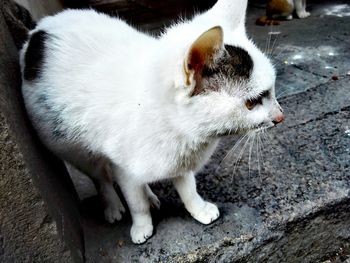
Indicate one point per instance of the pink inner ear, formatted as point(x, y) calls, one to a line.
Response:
point(196, 60)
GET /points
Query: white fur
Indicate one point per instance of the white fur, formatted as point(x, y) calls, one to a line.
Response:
point(300, 8)
point(121, 95)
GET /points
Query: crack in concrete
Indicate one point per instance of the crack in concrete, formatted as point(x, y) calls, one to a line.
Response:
point(322, 117)
point(311, 72)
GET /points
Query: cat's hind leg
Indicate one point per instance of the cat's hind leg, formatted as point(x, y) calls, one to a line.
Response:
point(153, 199)
point(102, 175)
point(203, 211)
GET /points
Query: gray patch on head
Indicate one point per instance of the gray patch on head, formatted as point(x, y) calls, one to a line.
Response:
point(238, 64)
point(234, 65)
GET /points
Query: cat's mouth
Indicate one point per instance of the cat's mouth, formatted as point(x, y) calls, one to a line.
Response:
point(258, 128)
point(264, 126)
point(227, 133)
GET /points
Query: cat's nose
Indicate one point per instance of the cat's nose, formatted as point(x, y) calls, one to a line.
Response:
point(278, 119)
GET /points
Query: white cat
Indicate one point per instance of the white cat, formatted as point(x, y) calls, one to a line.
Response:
point(123, 106)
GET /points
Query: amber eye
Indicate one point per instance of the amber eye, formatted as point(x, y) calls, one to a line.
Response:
point(250, 104)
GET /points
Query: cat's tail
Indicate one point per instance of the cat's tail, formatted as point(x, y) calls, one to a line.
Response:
point(266, 21)
point(18, 20)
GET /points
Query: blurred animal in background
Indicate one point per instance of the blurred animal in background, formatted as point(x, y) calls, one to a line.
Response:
point(277, 10)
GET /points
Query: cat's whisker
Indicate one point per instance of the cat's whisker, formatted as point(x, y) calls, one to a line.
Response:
point(232, 149)
point(280, 53)
point(258, 154)
point(261, 143)
point(282, 94)
point(239, 157)
point(268, 137)
point(275, 63)
point(250, 152)
point(264, 136)
point(274, 42)
point(268, 42)
point(282, 91)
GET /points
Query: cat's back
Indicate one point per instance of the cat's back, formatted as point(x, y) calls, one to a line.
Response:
point(75, 68)
point(87, 34)
point(79, 52)
point(87, 23)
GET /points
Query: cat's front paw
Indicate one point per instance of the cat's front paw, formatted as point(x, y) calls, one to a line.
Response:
point(303, 14)
point(207, 214)
point(140, 234)
point(114, 211)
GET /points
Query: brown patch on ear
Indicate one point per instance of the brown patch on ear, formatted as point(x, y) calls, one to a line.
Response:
point(187, 75)
point(201, 53)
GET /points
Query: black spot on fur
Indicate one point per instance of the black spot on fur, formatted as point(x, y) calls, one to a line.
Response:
point(34, 56)
point(240, 61)
point(235, 63)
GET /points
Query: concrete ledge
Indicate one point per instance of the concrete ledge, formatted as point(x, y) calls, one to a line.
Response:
point(39, 205)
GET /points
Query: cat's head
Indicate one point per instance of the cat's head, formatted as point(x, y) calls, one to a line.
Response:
point(228, 88)
point(223, 83)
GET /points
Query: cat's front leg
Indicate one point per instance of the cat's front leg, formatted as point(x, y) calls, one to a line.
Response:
point(137, 199)
point(203, 211)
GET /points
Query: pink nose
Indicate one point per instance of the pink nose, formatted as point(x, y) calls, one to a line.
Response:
point(278, 119)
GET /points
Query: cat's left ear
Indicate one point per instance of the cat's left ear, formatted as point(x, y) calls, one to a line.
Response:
point(202, 54)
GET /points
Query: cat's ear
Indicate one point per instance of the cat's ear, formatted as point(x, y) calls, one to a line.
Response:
point(202, 53)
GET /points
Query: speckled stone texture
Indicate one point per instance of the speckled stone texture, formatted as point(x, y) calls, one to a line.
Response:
point(290, 204)
point(38, 205)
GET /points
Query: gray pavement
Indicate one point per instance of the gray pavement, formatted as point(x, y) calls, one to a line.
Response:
point(290, 203)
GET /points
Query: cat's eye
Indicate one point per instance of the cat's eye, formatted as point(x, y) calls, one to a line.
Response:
point(250, 104)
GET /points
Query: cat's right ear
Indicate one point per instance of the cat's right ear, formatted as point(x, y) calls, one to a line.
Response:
point(202, 53)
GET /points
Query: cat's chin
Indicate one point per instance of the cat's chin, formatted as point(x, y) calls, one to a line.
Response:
point(258, 128)
point(263, 127)
point(232, 132)
point(226, 133)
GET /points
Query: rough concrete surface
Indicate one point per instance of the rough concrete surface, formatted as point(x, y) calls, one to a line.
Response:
point(38, 205)
point(290, 204)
